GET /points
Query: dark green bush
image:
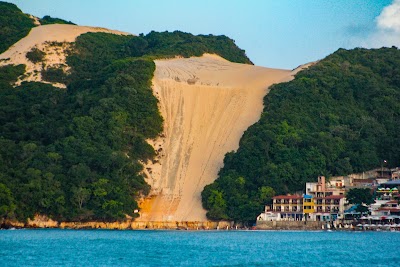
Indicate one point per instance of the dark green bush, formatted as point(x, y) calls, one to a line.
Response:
point(54, 74)
point(49, 20)
point(35, 55)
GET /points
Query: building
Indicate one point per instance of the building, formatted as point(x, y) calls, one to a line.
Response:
point(328, 199)
point(322, 202)
point(290, 207)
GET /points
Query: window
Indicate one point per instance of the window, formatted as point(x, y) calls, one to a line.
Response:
point(328, 209)
point(294, 209)
point(286, 208)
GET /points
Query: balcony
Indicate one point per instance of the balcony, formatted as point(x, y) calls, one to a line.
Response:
point(328, 209)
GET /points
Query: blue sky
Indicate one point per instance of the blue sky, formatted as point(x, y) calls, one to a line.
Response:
point(274, 33)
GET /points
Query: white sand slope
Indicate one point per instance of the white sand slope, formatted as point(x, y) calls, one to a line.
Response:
point(207, 103)
point(54, 40)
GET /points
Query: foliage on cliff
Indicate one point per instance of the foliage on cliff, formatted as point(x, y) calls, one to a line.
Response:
point(74, 154)
point(50, 20)
point(338, 117)
point(14, 25)
point(186, 45)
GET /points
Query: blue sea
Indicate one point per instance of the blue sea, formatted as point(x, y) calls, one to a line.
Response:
point(53, 247)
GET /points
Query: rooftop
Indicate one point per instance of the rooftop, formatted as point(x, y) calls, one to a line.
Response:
point(288, 197)
point(331, 197)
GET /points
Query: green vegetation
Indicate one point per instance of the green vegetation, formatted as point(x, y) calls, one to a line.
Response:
point(54, 74)
point(49, 20)
point(338, 117)
point(73, 154)
point(35, 55)
point(170, 44)
point(15, 25)
point(362, 197)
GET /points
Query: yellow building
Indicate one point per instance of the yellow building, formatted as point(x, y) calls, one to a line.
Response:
point(308, 204)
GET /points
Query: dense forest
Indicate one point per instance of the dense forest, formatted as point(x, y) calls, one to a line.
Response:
point(14, 25)
point(73, 154)
point(338, 117)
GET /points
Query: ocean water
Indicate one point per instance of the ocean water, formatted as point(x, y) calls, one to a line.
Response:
point(53, 247)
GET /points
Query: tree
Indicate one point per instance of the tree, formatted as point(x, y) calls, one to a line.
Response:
point(81, 196)
point(7, 205)
point(217, 204)
point(265, 194)
point(362, 197)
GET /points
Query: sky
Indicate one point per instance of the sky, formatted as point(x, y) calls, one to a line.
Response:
point(274, 33)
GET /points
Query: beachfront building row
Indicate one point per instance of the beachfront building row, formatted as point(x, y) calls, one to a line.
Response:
point(322, 202)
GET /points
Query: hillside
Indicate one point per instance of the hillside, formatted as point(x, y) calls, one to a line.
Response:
point(207, 103)
point(14, 25)
point(102, 125)
point(76, 109)
point(340, 116)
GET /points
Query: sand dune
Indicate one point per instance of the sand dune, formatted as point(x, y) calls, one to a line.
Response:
point(207, 103)
point(54, 40)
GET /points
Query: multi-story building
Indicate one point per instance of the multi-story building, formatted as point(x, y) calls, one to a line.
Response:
point(322, 202)
point(290, 207)
point(328, 199)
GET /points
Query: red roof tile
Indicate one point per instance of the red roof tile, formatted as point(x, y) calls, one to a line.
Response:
point(389, 209)
point(288, 197)
point(331, 197)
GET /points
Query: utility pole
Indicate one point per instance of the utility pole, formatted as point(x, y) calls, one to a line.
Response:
point(384, 162)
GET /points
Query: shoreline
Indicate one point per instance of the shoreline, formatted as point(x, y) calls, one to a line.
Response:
point(42, 222)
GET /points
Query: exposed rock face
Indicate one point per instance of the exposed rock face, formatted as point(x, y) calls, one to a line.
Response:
point(207, 103)
point(43, 222)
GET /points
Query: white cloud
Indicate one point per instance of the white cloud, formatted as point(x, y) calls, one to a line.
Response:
point(387, 31)
point(389, 19)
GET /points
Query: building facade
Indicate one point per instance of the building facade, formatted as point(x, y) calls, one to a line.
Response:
point(322, 202)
